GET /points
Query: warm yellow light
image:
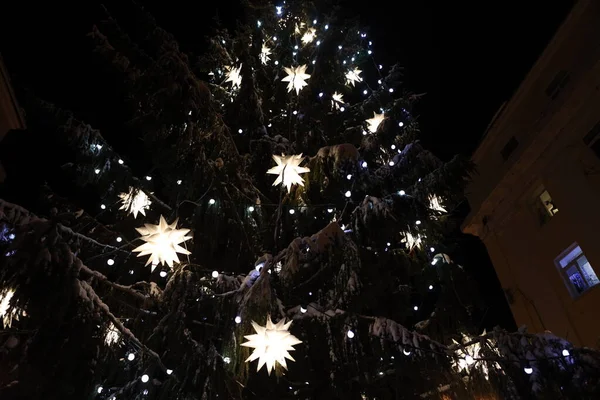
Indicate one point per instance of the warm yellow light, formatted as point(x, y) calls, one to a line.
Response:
point(353, 76)
point(289, 170)
point(234, 76)
point(162, 243)
point(265, 52)
point(375, 121)
point(271, 344)
point(296, 78)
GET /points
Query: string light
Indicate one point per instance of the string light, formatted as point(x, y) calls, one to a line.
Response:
point(566, 353)
point(238, 319)
point(102, 206)
point(131, 356)
point(97, 171)
point(121, 161)
point(416, 308)
point(162, 274)
point(119, 239)
point(148, 178)
point(528, 370)
point(432, 249)
point(215, 274)
point(348, 193)
point(145, 378)
point(349, 176)
point(100, 389)
point(110, 261)
point(212, 201)
point(418, 222)
point(401, 192)
point(292, 211)
point(179, 182)
point(430, 287)
point(251, 209)
point(350, 334)
point(169, 371)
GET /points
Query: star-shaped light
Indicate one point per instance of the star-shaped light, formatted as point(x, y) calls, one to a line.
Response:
point(308, 36)
point(289, 170)
point(375, 121)
point(112, 335)
point(337, 100)
point(353, 76)
point(8, 312)
point(296, 77)
point(233, 76)
point(435, 204)
point(135, 201)
point(265, 52)
point(412, 241)
point(271, 344)
point(162, 243)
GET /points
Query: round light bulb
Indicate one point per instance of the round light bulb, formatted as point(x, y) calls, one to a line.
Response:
point(148, 178)
point(215, 274)
point(238, 320)
point(240, 130)
point(401, 192)
point(330, 210)
point(130, 356)
point(528, 370)
point(145, 378)
point(162, 274)
point(110, 261)
point(321, 94)
point(119, 239)
point(416, 308)
point(121, 161)
point(400, 124)
point(365, 91)
point(430, 287)
point(566, 353)
point(391, 163)
point(348, 193)
point(97, 171)
point(102, 206)
point(211, 201)
point(391, 90)
point(179, 182)
point(100, 389)
point(418, 222)
point(349, 176)
point(302, 309)
point(432, 249)
point(292, 211)
point(251, 209)
point(226, 360)
point(406, 352)
point(364, 164)
point(169, 371)
point(350, 334)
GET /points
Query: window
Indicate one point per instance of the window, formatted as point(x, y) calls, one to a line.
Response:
point(543, 205)
point(509, 147)
point(558, 83)
point(578, 274)
point(548, 204)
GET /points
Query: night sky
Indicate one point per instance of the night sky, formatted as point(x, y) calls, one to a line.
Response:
point(468, 60)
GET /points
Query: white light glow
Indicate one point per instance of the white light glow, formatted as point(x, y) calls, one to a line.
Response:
point(162, 243)
point(288, 170)
point(135, 201)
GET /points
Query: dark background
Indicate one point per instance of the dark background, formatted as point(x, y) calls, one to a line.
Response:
point(467, 58)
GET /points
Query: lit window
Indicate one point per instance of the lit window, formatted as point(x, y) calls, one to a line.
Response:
point(578, 274)
point(548, 203)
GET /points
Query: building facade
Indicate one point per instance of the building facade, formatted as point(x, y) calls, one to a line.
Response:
point(10, 114)
point(535, 200)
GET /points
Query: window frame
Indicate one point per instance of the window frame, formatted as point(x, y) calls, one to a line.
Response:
point(571, 288)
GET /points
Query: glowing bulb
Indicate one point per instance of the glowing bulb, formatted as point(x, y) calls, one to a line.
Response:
point(321, 94)
point(566, 353)
point(98, 146)
point(340, 47)
point(469, 360)
point(348, 193)
point(102, 206)
point(97, 171)
point(119, 239)
point(400, 124)
point(418, 222)
point(130, 356)
point(240, 130)
point(350, 334)
point(391, 163)
point(342, 109)
point(110, 261)
point(388, 244)
point(179, 182)
point(292, 211)
point(215, 274)
point(251, 209)
point(330, 210)
point(528, 370)
point(169, 371)
point(314, 21)
point(393, 147)
point(391, 90)
point(406, 352)
point(326, 27)
point(121, 161)
point(226, 360)
point(100, 389)
point(416, 308)
point(163, 274)
point(211, 201)
point(302, 310)
point(258, 23)
point(369, 52)
point(432, 249)
point(401, 192)
point(148, 178)
point(364, 164)
point(349, 176)
point(238, 320)
point(145, 378)
point(365, 91)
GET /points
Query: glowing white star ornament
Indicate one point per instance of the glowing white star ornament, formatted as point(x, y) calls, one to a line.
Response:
point(411, 241)
point(234, 76)
point(374, 122)
point(337, 100)
point(265, 52)
point(308, 36)
point(353, 76)
point(162, 243)
point(435, 204)
point(288, 168)
point(271, 344)
point(296, 78)
point(8, 313)
point(135, 201)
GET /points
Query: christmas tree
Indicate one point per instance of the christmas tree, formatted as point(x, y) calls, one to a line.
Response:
point(263, 223)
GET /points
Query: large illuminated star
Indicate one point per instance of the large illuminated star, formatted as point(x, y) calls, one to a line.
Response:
point(435, 204)
point(234, 76)
point(271, 344)
point(135, 201)
point(308, 36)
point(289, 170)
point(353, 76)
point(162, 243)
point(296, 77)
point(265, 52)
point(375, 121)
